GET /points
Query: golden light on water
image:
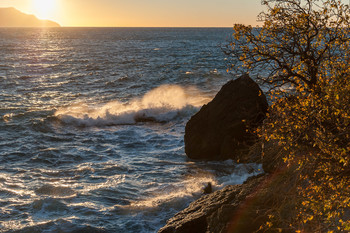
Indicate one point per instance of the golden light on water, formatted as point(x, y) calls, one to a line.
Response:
point(44, 8)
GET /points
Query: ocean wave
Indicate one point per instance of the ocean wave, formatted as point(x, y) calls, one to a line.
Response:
point(162, 104)
point(48, 205)
point(172, 194)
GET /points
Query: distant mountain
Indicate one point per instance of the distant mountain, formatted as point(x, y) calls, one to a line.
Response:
point(11, 17)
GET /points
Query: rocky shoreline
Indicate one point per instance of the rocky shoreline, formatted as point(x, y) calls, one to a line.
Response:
point(240, 208)
point(216, 212)
point(220, 130)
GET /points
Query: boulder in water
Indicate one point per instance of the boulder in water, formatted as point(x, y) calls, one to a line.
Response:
point(219, 130)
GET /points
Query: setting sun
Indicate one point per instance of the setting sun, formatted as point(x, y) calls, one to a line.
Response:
point(43, 8)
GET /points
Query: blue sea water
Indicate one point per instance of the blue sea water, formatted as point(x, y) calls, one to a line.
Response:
point(92, 123)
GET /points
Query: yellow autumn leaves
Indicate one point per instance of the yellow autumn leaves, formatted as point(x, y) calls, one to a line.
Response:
point(302, 53)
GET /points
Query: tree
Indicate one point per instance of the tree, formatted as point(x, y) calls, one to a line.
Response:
point(300, 42)
point(302, 52)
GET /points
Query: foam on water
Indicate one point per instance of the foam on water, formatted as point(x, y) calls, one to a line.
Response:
point(161, 104)
point(191, 186)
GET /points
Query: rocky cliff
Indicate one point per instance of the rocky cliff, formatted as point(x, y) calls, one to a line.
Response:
point(218, 132)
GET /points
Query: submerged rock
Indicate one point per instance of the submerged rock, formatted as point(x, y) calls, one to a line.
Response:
point(208, 189)
point(219, 130)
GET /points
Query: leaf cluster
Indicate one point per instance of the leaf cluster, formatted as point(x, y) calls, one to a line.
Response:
point(302, 52)
point(314, 131)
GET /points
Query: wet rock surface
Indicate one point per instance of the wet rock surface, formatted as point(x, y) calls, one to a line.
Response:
point(223, 210)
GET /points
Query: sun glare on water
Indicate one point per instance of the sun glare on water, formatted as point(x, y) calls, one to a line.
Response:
point(43, 9)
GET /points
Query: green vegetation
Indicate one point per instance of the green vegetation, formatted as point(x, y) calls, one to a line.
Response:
point(304, 45)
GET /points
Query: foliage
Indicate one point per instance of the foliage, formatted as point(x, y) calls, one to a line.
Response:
point(300, 42)
point(314, 130)
point(304, 46)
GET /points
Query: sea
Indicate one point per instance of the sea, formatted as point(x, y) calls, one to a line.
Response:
point(92, 124)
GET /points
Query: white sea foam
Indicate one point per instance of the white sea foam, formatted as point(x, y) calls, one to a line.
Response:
point(8, 117)
point(192, 186)
point(161, 104)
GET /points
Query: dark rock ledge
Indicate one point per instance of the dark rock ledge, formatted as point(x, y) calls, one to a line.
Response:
point(232, 209)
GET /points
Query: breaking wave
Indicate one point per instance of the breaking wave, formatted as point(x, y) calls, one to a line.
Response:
point(177, 192)
point(162, 104)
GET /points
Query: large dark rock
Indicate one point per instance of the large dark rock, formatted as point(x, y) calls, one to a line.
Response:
point(219, 130)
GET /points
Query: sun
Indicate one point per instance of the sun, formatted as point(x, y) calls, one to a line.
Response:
point(43, 8)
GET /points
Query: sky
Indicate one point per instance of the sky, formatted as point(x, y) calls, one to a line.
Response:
point(141, 13)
